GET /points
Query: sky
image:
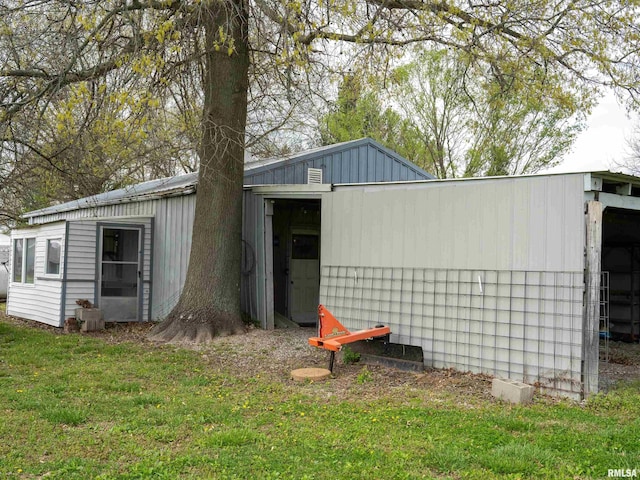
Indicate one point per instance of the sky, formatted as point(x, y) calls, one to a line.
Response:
point(603, 142)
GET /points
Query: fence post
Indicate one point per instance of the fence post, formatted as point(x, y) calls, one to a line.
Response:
point(591, 323)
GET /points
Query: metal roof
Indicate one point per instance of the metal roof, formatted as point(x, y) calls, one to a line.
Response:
point(265, 162)
point(259, 166)
point(185, 184)
point(163, 187)
point(608, 175)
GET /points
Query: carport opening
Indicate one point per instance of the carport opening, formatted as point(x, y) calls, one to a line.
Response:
point(621, 263)
point(620, 298)
point(296, 262)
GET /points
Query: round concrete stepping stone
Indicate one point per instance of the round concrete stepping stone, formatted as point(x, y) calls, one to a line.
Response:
point(310, 374)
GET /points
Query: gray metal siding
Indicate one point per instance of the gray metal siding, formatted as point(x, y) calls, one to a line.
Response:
point(357, 162)
point(81, 263)
point(172, 231)
point(533, 223)
point(130, 209)
point(173, 227)
point(451, 264)
point(252, 236)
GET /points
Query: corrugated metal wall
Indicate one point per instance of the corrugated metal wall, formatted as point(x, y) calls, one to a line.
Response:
point(253, 256)
point(173, 227)
point(525, 223)
point(485, 275)
point(173, 233)
point(357, 164)
point(172, 245)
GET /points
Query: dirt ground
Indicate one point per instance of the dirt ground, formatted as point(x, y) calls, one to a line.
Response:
point(273, 354)
point(622, 363)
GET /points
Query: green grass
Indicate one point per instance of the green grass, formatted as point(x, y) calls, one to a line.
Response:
point(75, 407)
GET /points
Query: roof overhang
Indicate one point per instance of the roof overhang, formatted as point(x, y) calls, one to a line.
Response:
point(100, 201)
point(610, 182)
point(314, 190)
point(615, 190)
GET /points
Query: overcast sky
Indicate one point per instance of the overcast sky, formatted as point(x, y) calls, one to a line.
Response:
point(603, 142)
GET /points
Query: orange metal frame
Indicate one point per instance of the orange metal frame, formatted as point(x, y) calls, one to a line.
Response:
point(332, 335)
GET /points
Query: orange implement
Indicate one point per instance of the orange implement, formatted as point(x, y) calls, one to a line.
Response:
point(332, 334)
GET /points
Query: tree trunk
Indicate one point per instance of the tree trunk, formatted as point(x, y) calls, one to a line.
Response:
point(210, 301)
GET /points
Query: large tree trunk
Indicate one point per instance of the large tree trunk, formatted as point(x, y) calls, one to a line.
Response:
point(210, 301)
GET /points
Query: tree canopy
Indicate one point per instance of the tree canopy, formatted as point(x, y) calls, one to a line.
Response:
point(449, 117)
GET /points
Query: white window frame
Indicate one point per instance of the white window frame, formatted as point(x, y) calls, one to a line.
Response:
point(46, 257)
point(23, 272)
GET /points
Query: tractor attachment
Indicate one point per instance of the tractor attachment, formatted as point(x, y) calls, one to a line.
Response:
point(332, 335)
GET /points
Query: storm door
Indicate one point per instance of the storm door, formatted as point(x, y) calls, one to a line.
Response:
point(119, 273)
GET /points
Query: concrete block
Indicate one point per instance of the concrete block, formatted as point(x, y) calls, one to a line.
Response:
point(511, 390)
point(91, 319)
point(85, 314)
point(92, 325)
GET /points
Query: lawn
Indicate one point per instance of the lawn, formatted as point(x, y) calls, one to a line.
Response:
point(75, 406)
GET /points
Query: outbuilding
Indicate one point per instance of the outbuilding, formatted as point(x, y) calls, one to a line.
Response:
point(127, 251)
point(517, 277)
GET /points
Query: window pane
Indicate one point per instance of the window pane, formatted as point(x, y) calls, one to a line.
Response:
point(119, 280)
point(17, 260)
point(305, 247)
point(119, 245)
point(30, 260)
point(53, 256)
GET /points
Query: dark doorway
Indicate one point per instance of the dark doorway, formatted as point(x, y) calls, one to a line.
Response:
point(296, 260)
point(621, 259)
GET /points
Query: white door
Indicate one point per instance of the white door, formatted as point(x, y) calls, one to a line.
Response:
point(304, 276)
point(119, 273)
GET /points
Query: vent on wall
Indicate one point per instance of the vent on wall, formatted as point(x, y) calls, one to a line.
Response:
point(314, 175)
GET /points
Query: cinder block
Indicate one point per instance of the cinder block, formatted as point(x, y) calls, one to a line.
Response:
point(512, 391)
point(85, 314)
point(91, 319)
point(92, 325)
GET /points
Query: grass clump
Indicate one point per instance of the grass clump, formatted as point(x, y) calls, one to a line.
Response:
point(364, 376)
point(349, 357)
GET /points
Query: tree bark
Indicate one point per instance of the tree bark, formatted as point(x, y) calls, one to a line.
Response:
point(210, 302)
